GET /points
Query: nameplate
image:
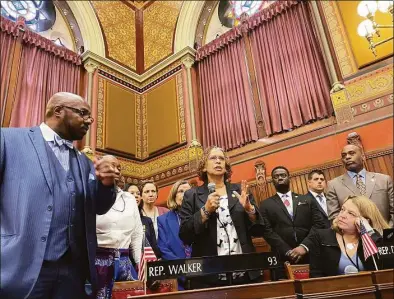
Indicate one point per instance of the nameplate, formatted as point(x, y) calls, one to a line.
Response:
point(211, 265)
point(386, 250)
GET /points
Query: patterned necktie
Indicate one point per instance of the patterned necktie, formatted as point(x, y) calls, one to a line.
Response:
point(286, 202)
point(321, 202)
point(60, 141)
point(360, 184)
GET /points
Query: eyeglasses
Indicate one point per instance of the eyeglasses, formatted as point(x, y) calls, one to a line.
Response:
point(85, 114)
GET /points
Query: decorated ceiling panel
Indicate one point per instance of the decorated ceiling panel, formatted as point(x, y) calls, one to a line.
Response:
point(160, 20)
point(117, 21)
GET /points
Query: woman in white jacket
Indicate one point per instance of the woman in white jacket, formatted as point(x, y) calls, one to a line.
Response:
point(119, 236)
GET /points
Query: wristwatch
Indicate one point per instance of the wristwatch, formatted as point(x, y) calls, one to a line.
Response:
point(205, 211)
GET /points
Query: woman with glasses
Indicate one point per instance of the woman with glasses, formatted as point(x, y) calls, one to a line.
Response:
point(119, 235)
point(217, 218)
point(170, 245)
point(339, 249)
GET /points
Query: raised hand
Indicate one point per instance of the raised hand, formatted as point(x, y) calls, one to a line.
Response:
point(244, 197)
point(107, 169)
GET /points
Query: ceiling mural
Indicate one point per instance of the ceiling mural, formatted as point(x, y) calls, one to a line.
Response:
point(160, 20)
point(117, 22)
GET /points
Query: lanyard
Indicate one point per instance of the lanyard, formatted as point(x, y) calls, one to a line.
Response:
point(344, 246)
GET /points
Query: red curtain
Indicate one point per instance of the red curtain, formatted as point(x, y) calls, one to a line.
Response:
point(291, 76)
point(43, 70)
point(227, 112)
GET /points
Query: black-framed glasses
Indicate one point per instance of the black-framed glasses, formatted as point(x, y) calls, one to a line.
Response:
point(85, 114)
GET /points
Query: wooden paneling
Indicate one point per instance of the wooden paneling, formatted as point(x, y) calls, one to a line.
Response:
point(380, 161)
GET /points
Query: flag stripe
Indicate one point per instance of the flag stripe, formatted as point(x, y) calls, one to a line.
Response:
point(368, 244)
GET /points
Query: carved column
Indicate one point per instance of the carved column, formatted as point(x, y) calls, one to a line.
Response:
point(90, 67)
point(188, 62)
point(261, 180)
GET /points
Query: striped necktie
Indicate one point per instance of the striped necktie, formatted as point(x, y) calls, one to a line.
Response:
point(360, 184)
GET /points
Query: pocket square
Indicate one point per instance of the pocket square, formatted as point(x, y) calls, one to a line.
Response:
point(91, 177)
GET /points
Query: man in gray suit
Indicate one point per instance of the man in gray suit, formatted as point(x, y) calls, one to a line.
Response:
point(357, 181)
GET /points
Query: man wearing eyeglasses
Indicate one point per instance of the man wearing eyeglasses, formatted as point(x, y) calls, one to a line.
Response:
point(50, 195)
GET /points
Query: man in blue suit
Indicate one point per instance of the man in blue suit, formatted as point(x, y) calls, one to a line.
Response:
point(50, 194)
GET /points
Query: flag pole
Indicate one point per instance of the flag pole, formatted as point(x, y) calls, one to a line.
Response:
point(374, 262)
point(143, 253)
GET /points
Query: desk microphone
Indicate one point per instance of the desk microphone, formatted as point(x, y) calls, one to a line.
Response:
point(350, 269)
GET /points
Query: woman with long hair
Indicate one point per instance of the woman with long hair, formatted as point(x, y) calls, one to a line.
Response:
point(170, 244)
point(339, 249)
point(146, 221)
point(216, 218)
point(149, 193)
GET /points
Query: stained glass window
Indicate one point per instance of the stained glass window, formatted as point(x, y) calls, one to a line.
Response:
point(249, 7)
point(39, 15)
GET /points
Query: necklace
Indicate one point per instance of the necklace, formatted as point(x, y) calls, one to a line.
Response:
point(351, 246)
point(124, 205)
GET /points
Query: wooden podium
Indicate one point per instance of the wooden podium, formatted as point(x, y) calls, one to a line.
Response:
point(269, 290)
point(383, 281)
point(358, 286)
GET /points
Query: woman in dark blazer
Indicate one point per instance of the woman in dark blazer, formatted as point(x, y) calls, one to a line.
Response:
point(171, 247)
point(146, 221)
point(339, 250)
point(218, 222)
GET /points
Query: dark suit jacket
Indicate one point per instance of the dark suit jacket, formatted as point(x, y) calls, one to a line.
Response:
point(26, 191)
point(284, 233)
point(326, 253)
point(323, 213)
point(150, 235)
point(203, 236)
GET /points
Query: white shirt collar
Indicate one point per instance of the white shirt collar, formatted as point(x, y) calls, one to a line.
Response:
point(316, 194)
point(281, 194)
point(47, 132)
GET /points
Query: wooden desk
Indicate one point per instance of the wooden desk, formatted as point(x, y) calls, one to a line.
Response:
point(358, 286)
point(267, 290)
point(383, 281)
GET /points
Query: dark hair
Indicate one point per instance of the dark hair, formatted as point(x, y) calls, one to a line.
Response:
point(141, 187)
point(203, 174)
point(127, 186)
point(317, 171)
point(280, 167)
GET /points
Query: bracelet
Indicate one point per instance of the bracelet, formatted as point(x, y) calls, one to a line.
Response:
point(205, 211)
point(252, 212)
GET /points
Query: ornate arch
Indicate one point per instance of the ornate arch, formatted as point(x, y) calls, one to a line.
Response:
point(89, 26)
point(187, 24)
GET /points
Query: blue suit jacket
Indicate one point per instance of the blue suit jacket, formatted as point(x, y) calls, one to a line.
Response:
point(26, 191)
point(170, 244)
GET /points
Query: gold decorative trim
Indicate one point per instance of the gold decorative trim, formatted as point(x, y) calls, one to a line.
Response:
point(100, 113)
point(138, 126)
point(372, 85)
point(144, 122)
point(336, 28)
point(181, 109)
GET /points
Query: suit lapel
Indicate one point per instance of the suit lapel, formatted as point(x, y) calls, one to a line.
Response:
point(369, 183)
point(39, 145)
point(280, 203)
point(348, 182)
point(295, 204)
point(318, 203)
point(232, 199)
point(81, 169)
point(172, 221)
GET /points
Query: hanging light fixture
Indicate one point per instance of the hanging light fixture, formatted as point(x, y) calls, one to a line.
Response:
point(369, 28)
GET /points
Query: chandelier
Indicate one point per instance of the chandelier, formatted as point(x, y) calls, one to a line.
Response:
point(369, 28)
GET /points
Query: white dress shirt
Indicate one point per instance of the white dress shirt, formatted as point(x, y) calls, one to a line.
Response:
point(121, 226)
point(289, 198)
point(322, 202)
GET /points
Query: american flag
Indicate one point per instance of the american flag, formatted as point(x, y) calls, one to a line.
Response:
point(368, 244)
point(147, 256)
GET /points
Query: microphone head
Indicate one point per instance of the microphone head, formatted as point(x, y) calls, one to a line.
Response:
point(211, 187)
point(350, 269)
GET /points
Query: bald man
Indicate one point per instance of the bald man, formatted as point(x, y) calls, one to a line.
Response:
point(50, 195)
point(357, 181)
